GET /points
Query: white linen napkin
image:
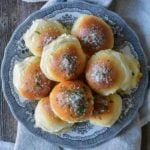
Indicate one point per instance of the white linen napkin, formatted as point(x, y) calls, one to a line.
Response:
point(105, 3)
point(6, 145)
point(129, 139)
point(137, 14)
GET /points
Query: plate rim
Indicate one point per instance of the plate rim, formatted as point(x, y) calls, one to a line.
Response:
point(30, 18)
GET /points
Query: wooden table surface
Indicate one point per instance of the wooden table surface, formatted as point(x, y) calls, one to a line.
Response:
point(12, 13)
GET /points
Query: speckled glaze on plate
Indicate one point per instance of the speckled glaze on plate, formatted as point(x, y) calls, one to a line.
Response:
point(82, 135)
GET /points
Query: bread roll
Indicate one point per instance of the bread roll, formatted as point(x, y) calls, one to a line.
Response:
point(46, 119)
point(72, 101)
point(107, 72)
point(106, 110)
point(41, 33)
point(136, 74)
point(29, 79)
point(63, 59)
point(93, 33)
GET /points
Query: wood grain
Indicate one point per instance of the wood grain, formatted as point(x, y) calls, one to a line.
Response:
point(12, 13)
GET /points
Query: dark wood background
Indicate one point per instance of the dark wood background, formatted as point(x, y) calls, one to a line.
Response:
point(12, 13)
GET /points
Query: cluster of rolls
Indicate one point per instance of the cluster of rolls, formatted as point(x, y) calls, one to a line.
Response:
point(75, 76)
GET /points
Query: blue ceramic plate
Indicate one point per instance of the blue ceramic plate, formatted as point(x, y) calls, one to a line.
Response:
point(82, 135)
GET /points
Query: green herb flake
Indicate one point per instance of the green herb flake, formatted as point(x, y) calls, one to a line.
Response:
point(37, 85)
point(37, 32)
point(81, 109)
point(38, 81)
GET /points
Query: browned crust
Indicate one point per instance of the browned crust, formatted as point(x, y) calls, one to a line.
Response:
point(60, 104)
point(46, 36)
point(34, 84)
point(84, 28)
point(71, 51)
point(115, 74)
point(46, 108)
point(98, 108)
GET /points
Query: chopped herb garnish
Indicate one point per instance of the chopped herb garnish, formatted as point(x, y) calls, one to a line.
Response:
point(38, 81)
point(132, 73)
point(37, 84)
point(76, 101)
point(81, 110)
point(37, 32)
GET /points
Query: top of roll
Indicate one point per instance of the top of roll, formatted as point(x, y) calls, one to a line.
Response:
point(41, 33)
point(93, 33)
point(29, 79)
point(107, 71)
point(63, 59)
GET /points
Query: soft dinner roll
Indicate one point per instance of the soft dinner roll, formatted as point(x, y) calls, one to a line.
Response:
point(72, 101)
point(136, 74)
point(93, 33)
point(106, 110)
point(63, 59)
point(29, 79)
point(41, 33)
point(46, 119)
point(107, 72)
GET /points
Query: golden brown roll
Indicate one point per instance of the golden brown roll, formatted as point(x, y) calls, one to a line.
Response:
point(136, 74)
point(46, 119)
point(107, 72)
point(41, 33)
point(106, 110)
point(72, 101)
point(63, 59)
point(29, 79)
point(93, 33)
